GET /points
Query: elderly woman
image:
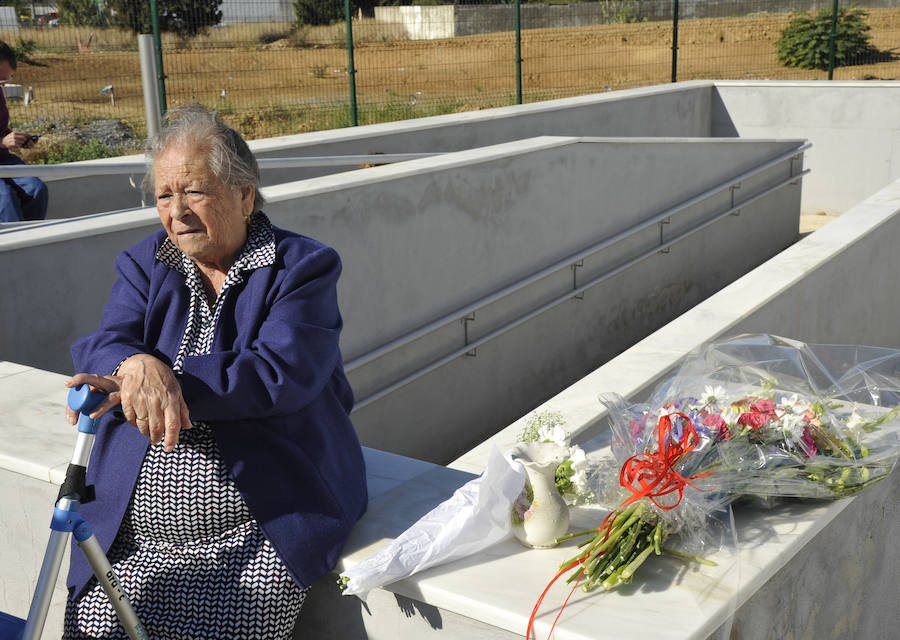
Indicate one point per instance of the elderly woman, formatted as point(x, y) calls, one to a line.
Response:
point(232, 476)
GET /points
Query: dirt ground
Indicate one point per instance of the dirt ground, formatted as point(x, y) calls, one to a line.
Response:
point(810, 222)
point(277, 88)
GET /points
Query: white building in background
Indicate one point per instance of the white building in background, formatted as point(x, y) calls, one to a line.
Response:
point(9, 21)
point(237, 11)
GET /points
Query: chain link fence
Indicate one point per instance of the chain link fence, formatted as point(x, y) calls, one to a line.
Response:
point(268, 75)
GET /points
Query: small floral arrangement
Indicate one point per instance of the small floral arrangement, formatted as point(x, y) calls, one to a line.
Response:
point(572, 474)
point(756, 416)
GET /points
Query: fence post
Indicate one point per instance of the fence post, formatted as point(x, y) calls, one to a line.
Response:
point(832, 37)
point(674, 40)
point(351, 69)
point(160, 74)
point(149, 83)
point(518, 53)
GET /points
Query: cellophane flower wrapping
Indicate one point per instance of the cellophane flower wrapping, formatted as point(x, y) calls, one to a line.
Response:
point(775, 417)
point(755, 416)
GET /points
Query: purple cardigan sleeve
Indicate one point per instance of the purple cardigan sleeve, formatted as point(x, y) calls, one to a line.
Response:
point(121, 331)
point(289, 361)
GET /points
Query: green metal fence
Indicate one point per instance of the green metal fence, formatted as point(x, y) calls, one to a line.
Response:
point(269, 76)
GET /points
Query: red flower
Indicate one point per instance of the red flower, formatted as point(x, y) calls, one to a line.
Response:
point(763, 406)
point(755, 420)
point(761, 413)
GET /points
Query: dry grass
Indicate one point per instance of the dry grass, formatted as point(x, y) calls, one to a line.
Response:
point(267, 80)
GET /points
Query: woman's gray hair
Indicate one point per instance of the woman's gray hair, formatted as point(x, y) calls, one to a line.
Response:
point(229, 157)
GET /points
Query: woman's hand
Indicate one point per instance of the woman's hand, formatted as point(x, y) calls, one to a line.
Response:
point(149, 394)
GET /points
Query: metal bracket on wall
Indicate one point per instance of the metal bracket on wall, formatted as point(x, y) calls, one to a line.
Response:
point(465, 322)
point(662, 239)
point(575, 267)
point(794, 158)
point(734, 188)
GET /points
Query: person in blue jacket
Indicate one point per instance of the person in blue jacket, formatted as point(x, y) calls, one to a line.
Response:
point(231, 476)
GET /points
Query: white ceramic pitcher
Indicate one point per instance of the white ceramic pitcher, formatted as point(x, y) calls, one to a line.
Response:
point(540, 515)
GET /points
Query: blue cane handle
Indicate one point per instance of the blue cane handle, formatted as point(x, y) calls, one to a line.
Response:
point(83, 400)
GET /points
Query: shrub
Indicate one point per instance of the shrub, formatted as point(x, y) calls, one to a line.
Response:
point(82, 13)
point(316, 12)
point(805, 42)
point(187, 18)
point(23, 50)
point(273, 36)
point(78, 150)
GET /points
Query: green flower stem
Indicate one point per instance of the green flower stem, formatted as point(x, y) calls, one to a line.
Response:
point(602, 543)
point(577, 534)
point(687, 556)
point(613, 580)
point(633, 543)
point(634, 564)
point(657, 537)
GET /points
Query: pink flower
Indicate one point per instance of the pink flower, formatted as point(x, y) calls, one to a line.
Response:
point(715, 421)
point(637, 428)
point(808, 444)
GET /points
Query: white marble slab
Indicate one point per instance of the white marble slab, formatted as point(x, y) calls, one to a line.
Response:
point(669, 599)
point(384, 471)
point(33, 430)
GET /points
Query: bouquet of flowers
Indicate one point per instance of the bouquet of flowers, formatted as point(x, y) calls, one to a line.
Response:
point(755, 416)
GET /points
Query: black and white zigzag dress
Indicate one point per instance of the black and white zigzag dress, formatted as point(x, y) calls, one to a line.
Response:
point(191, 558)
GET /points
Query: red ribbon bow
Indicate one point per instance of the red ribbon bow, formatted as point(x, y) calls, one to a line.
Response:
point(646, 475)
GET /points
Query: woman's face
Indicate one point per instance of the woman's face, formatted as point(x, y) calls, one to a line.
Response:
point(203, 216)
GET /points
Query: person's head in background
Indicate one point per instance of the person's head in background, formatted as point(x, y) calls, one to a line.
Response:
point(7, 62)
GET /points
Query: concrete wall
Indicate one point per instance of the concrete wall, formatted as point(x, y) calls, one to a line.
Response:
point(665, 111)
point(28, 509)
point(9, 21)
point(238, 12)
point(418, 22)
point(424, 238)
point(854, 128)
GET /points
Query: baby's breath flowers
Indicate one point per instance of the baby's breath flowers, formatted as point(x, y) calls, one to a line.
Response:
point(571, 475)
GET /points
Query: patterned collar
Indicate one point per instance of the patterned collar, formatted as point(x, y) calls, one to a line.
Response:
point(258, 251)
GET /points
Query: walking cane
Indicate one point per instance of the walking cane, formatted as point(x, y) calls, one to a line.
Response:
point(68, 520)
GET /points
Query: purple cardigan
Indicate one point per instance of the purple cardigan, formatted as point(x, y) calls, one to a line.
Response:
point(272, 388)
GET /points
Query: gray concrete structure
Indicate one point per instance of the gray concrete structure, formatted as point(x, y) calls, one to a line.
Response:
point(859, 147)
point(422, 239)
point(239, 12)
